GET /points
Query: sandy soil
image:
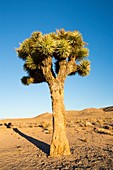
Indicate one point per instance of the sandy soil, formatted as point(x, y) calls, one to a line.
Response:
point(24, 143)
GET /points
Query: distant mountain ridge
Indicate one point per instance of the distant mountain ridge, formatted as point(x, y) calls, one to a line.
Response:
point(108, 109)
point(87, 111)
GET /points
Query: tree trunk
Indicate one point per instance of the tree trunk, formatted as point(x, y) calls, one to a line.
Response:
point(59, 145)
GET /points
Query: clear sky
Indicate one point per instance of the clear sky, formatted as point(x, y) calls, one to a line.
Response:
point(19, 18)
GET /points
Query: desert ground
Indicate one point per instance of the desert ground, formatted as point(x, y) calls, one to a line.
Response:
point(24, 143)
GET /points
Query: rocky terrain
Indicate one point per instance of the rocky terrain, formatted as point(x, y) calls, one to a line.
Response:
point(24, 143)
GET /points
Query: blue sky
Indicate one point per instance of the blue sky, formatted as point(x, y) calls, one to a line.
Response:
point(18, 19)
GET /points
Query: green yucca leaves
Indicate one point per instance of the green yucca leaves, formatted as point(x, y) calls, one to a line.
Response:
point(75, 38)
point(84, 68)
point(24, 49)
point(35, 36)
point(61, 45)
point(27, 80)
point(81, 53)
point(63, 49)
point(30, 63)
point(45, 45)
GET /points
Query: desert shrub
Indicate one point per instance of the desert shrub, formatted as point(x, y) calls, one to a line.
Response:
point(30, 126)
point(46, 126)
point(8, 125)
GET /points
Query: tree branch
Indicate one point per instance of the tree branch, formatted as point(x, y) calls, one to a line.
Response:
point(71, 66)
point(38, 77)
point(66, 68)
point(62, 70)
point(46, 69)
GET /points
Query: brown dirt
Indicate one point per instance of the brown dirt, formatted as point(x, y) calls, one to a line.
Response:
point(24, 143)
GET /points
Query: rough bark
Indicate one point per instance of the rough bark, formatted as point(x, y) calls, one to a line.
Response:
point(59, 145)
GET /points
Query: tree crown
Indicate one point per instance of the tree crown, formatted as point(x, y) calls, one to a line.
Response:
point(53, 56)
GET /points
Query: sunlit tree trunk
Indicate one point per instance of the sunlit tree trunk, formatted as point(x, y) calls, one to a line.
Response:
point(59, 145)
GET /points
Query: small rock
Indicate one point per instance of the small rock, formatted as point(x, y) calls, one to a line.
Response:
point(83, 140)
point(18, 146)
point(88, 124)
point(103, 131)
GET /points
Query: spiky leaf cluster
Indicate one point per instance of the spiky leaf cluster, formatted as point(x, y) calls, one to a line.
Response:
point(30, 64)
point(45, 45)
point(27, 80)
point(63, 49)
point(84, 68)
point(61, 45)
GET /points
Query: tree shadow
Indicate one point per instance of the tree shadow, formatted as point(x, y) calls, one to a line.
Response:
point(39, 144)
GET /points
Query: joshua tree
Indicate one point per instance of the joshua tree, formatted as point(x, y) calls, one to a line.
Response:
point(51, 58)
